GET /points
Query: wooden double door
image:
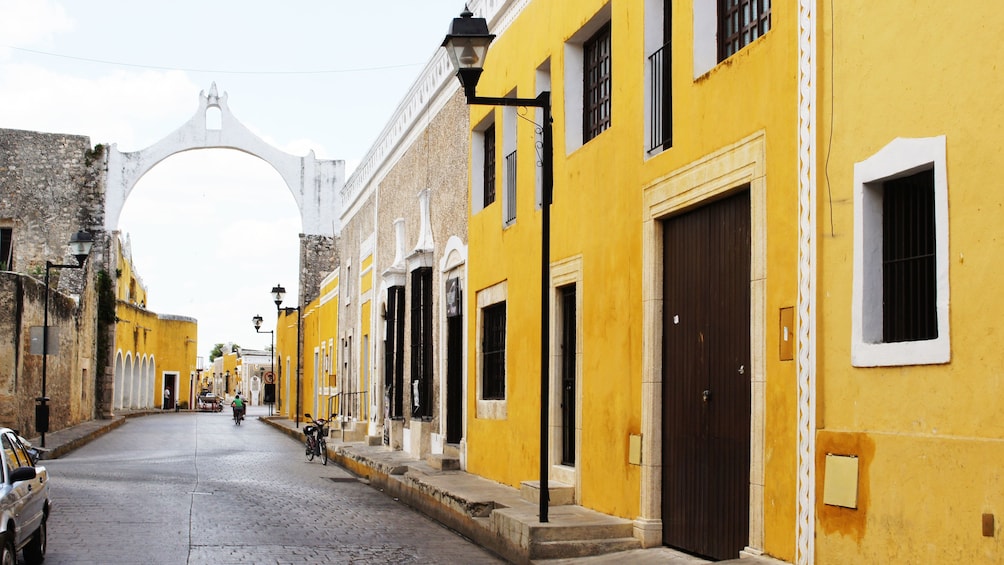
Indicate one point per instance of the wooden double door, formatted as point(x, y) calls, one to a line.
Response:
point(706, 378)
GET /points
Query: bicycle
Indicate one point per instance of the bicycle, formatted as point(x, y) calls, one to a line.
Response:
point(315, 443)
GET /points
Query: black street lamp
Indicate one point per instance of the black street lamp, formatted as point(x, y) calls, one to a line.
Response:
point(271, 357)
point(278, 292)
point(80, 247)
point(467, 45)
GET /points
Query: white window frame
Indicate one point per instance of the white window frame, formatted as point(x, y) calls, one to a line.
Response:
point(491, 409)
point(574, 60)
point(478, 162)
point(901, 157)
point(508, 146)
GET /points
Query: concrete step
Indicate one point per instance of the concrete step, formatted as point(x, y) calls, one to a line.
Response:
point(581, 548)
point(572, 531)
point(560, 494)
point(451, 450)
point(442, 462)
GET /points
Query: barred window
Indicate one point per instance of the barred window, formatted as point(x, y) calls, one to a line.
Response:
point(596, 84)
point(739, 23)
point(493, 348)
point(489, 171)
point(909, 287)
point(421, 342)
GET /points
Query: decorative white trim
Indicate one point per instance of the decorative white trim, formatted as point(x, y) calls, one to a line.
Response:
point(563, 273)
point(805, 523)
point(431, 91)
point(900, 157)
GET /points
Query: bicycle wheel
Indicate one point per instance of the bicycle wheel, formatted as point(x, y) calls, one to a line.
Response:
point(324, 452)
point(310, 450)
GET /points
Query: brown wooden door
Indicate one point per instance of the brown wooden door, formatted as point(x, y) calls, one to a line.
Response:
point(706, 379)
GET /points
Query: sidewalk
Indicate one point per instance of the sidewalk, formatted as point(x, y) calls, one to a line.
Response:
point(493, 515)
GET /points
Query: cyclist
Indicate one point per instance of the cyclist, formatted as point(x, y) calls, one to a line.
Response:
point(238, 405)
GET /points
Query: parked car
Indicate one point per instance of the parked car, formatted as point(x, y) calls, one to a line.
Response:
point(24, 502)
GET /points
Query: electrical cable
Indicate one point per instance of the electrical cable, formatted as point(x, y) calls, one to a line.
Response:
point(189, 70)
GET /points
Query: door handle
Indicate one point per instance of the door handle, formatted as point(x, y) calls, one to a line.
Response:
point(706, 396)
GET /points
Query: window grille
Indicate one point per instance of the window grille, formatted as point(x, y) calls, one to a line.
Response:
point(661, 126)
point(493, 349)
point(489, 171)
point(909, 285)
point(597, 84)
point(740, 22)
point(510, 188)
point(394, 352)
point(421, 342)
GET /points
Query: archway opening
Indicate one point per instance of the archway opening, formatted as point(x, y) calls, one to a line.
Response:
point(211, 231)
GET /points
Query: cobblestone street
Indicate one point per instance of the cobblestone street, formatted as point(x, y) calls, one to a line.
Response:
point(194, 488)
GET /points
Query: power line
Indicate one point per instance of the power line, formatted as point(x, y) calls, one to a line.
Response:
point(161, 68)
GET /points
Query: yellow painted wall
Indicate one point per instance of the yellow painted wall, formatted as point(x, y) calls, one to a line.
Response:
point(597, 214)
point(311, 359)
point(168, 342)
point(285, 348)
point(928, 438)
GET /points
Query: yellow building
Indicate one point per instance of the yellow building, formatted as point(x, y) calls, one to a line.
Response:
point(673, 267)
point(909, 444)
point(155, 354)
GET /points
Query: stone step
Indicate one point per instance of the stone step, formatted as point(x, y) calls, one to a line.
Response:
point(581, 548)
point(560, 494)
point(572, 531)
point(442, 462)
point(451, 450)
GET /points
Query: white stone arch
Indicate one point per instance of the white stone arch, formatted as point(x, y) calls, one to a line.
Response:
point(151, 381)
point(144, 384)
point(129, 376)
point(315, 184)
point(118, 382)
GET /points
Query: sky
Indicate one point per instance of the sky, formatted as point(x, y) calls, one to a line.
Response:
point(212, 231)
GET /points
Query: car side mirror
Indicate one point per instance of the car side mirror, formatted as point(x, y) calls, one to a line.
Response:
point(23, 474)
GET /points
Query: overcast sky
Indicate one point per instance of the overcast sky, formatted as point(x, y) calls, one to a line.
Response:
point(213, 230)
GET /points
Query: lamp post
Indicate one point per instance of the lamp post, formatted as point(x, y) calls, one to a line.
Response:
point(278, 292)
point(467, 45)
point(80, 247)
point(271, 358)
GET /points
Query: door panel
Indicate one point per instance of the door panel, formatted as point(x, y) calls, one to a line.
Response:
point(454, 379)
point(706, 385)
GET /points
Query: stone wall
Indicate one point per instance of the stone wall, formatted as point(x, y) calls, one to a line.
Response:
point(51, 186)
point(69, 378)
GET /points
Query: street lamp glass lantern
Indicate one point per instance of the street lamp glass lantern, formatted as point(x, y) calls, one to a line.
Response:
point(80, 245)
point(257, 321)
point(278, 292)
point(467, 44)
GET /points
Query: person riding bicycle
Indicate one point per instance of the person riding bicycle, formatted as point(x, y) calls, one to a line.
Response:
point(238, 405)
